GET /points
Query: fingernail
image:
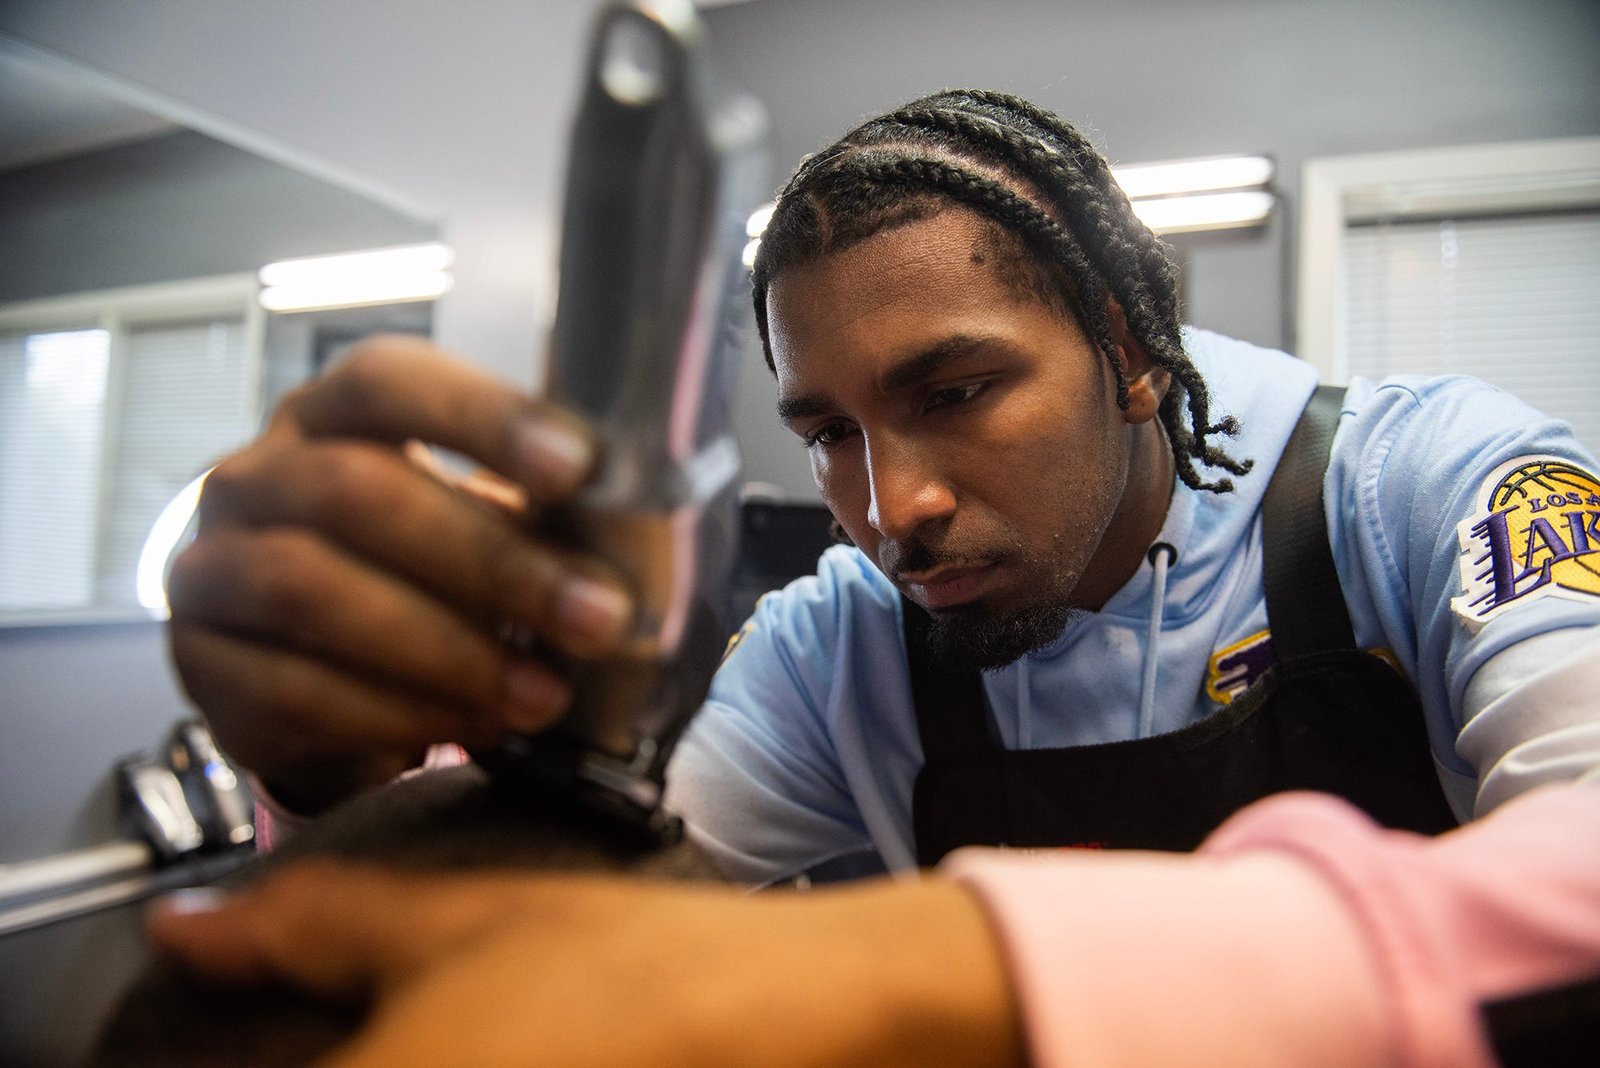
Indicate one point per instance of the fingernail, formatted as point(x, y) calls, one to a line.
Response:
point(553, 456)
point(594, 610)
point(192, 901)
point(534, 697)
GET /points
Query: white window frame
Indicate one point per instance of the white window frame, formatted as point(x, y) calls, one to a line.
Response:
point(117, 311)
point(1558, 174)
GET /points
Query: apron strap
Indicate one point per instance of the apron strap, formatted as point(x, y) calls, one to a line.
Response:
point(949, 703)
point(1305, 606)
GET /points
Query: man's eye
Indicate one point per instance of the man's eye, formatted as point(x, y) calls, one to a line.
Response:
point(944, 398)
point(827, 435)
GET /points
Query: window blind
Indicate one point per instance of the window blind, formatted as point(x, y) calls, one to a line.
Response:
point(1509, 299)
point(52, 397)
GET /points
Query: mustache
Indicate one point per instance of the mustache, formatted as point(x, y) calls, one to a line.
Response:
point(914, 554)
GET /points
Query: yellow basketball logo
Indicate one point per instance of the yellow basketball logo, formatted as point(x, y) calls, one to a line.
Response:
point(1536, 533)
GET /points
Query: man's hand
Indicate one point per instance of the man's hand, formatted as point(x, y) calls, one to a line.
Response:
point(343, 607)
point(565, 970)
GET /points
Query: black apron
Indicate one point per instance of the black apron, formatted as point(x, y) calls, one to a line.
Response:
point(1326, 716)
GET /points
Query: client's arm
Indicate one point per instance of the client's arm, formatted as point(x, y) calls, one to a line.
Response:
point(581, 970)
point(1301, 934)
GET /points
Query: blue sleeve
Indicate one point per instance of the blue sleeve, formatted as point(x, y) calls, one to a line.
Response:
point(758, 777)
point(1419, 547)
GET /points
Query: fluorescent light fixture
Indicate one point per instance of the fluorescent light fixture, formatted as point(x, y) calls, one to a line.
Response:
point(150, 577)
point(1193, 176)
point(351, 279)
point(402, 259)
point(1205, 211)
point(354, 292)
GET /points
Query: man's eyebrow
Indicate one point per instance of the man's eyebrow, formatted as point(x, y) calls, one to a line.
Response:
point(902, 375)
point(805, 406)
point(932, 360)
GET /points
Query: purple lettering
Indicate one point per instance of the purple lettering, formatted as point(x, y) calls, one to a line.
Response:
point(1493, 530)
point(1580, 533)
point(1542, 537)
point(1540, 530)
point(1535, 504)
point(1573, 498)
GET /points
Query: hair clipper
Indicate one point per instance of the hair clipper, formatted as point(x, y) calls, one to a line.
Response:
point(662, 176)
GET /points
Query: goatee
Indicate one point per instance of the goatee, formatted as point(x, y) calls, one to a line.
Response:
point(973, 638)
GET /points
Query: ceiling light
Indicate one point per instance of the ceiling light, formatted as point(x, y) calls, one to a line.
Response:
point(1193, 176)
point(402, 259)
point(1206, 211)
point(351, 279)
point(355, 292)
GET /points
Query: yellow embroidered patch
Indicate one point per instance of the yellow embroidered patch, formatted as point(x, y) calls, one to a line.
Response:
point(1232, 669)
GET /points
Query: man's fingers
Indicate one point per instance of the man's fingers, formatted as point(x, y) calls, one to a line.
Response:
point(395, 388)
point(288, 587)
point(277, 710)
point(385, 510)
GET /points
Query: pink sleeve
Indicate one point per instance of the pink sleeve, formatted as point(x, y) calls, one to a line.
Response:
point(274, 822)
point(1301, 933)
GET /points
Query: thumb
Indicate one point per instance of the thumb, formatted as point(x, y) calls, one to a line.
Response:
point(337, 930)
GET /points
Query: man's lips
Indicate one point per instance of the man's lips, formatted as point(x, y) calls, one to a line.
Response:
point(947, 587)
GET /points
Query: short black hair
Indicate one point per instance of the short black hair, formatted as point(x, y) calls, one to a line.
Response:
point(449, 819)
point(1080, 242)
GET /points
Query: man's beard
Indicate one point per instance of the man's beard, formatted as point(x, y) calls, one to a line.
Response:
point(975, 638)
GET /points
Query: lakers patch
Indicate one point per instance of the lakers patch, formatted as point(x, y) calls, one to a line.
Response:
point(1535, 533)
point(1234, 668)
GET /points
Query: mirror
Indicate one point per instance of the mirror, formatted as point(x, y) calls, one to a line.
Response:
point(134, 348)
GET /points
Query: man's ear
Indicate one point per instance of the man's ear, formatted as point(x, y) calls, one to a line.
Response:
point(1147, 383)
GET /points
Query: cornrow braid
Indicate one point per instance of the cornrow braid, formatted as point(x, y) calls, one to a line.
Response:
point(948, 148)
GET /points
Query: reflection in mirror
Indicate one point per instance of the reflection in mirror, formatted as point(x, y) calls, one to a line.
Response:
point(134, 348)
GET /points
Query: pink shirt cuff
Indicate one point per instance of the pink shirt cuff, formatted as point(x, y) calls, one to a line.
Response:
point(1300, 934)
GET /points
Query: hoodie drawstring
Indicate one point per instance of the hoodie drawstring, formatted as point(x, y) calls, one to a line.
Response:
point(1024, 707)
point(1161, 556)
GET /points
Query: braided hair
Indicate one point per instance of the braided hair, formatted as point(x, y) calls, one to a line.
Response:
point(1077, 241)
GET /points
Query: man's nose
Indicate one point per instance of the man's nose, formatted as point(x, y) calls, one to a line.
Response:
point(905, 490)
